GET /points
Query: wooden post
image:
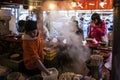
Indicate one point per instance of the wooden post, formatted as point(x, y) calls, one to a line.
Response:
point(116, 42)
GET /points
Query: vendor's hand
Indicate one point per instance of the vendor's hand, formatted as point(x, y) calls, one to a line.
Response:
point(95, 41)
point(48, 72)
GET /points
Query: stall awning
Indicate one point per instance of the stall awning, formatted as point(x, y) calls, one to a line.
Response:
point(96, 4)
point(79, 4)
point(64, 4)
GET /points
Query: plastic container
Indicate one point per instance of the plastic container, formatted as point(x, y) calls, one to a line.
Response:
point(53, 76)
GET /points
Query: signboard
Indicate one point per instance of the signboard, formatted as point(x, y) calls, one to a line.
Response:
point(66, 4)
point(80, 5)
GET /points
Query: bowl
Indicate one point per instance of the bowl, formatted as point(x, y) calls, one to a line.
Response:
point(15, 76)
point(102, 44)
point(36, 77)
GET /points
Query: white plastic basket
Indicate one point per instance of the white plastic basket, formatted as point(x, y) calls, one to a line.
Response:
point(53, 76)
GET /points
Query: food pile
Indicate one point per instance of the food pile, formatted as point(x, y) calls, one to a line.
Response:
point(96, 60)
point(70, 76)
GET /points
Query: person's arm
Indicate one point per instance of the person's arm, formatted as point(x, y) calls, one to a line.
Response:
point(42, 67)
point(35, 56)
point(91, 28)
point(102, 29)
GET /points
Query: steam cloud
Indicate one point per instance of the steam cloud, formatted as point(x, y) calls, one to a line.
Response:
point(65, 29)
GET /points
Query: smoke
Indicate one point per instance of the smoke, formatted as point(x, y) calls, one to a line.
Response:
point(72, 51)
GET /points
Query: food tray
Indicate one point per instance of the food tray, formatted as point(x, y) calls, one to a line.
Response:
point(15, 65)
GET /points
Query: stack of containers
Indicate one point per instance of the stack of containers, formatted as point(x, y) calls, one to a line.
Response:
point(50, 55)
point(96, 66)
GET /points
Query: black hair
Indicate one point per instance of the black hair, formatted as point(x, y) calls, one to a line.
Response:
point(21, 23)
point(30, 25)
point(21, 26)
point(96, 16)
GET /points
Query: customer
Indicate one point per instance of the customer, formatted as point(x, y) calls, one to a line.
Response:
point(79, 31)
point(21, 24)
point(33, 49)
point(81, 25)
point(97, 28)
